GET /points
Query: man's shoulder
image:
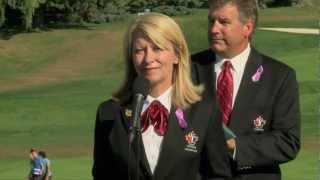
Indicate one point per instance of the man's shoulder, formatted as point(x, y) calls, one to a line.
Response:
point(275, 64)
point(203, 57)
point(46, 160)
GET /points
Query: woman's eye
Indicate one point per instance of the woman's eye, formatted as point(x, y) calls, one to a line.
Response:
point(156, 48)
point(137, 51)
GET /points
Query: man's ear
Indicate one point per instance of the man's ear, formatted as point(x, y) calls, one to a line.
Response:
point(248, 28)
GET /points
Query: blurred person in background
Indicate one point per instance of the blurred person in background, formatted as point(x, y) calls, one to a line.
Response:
point(47, 172)
point(36, 162)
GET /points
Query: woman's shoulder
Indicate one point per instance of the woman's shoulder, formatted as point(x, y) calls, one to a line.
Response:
point(207, 100)
point(110, 103)
point(207, 104)
point(108, 110)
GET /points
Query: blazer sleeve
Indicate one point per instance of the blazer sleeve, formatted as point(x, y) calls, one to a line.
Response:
point(282, 142)
point(215, 161)
point(102, 162)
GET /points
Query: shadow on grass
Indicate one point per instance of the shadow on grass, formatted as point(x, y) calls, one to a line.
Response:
point(8, 33)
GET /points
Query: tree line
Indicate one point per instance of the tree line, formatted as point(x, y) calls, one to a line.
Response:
point(28, 14)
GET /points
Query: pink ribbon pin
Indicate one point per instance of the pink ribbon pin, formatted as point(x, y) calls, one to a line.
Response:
point(257, 75)
point(181, 121)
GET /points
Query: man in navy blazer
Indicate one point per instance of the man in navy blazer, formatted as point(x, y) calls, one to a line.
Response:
point(264, 98)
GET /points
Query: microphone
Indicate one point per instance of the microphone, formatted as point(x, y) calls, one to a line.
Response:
point(140, 89)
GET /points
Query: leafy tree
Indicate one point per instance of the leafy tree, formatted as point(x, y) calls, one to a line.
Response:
point(27, 7)
point(2, 13)
point(277, 3)
point(141, 5)
point(37, 12)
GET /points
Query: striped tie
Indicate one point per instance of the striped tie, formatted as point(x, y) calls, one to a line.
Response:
point(225, 91)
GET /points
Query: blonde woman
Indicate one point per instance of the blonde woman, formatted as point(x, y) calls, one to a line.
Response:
point(180, 136)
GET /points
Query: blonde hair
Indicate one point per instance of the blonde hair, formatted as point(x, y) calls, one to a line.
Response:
point(163, 32)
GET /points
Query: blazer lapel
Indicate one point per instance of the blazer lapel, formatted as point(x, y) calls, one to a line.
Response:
point(248, 88)
point(172, 144)
point(127, 111)
point(143, 158)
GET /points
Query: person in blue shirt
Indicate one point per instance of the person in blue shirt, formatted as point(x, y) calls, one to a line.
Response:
point(36, 162)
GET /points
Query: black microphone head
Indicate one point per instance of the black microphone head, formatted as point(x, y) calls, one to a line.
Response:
point(140, 86)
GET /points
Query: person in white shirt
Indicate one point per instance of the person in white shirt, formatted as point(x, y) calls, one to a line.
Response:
point(181, 137)
point(258, 96)
point(47, 172)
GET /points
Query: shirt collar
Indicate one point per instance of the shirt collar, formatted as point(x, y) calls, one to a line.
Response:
point(164, 98)
point(238, 62)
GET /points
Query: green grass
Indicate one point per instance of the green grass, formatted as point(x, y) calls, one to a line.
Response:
point(51, 83)
point(289, 17)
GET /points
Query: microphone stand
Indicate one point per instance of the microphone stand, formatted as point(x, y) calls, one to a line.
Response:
point(135, 135)
point(138, 144)
point(135, 141)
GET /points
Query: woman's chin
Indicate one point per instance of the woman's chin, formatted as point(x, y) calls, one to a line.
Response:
point(151, 81)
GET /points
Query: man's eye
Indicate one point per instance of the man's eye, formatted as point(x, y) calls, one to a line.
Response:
point(212, 21)
point(224, 21)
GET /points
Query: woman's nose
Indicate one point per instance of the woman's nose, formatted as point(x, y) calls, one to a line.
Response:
point(149, 56)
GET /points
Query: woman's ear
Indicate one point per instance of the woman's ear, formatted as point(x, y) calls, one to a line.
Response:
point(176, 59)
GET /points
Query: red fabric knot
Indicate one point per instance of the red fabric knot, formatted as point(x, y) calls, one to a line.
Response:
point(225, 91)
point(157, 115)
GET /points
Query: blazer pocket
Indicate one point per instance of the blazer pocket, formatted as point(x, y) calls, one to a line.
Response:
point(255, 119)
point(261, 118)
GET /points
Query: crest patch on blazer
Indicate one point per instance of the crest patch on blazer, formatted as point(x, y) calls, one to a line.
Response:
point(258, 124)
point(192, 140)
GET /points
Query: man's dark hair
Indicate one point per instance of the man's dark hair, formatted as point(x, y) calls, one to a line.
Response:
point(42, 154)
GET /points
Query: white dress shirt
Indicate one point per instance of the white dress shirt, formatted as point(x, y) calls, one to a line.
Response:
point(238, 64)
point(151, 140)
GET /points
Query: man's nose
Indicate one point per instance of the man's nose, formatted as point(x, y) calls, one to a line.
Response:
point(214, 27)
